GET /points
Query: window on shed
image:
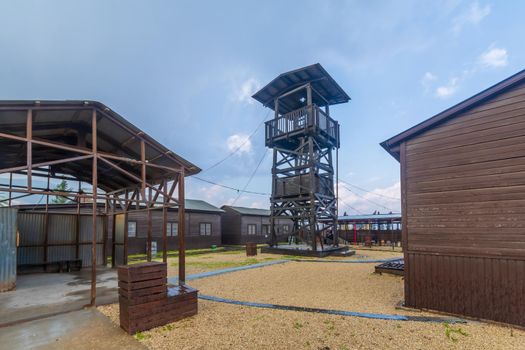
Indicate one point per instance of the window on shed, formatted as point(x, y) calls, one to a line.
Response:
point(132, 229)
point(252, 229)
point(286, 228)
point(265, 229)
point(205, 229)
point(172, 229)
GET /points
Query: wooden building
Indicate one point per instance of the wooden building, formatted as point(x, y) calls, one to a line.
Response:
point(203, 229)
point(463, 205)
point(378, 228)
point(241, 225)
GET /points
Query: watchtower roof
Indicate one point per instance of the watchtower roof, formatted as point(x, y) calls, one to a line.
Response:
point(326, 90)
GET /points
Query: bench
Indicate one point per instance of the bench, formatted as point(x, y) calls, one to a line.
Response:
point(52, 266)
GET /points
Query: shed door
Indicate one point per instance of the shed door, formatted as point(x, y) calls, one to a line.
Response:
point(7, 248)
point(120, 233)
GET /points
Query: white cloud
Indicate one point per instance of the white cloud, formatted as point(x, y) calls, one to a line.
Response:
point(427, 80)
point(246, 89)
point(494, 57)
point(428, 77)
point(239, 143)
point(449, 89)
point(473, 15)
point(383, 199)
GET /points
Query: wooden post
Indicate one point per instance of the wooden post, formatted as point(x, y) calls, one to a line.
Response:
point(182, 231)
point(142, 169)
point(77, 224)
point(336, 229)
point(150, 229)
point(165, 224)
point(10, 187)
point(94, 209)
point(113, 226)
point(29, 136)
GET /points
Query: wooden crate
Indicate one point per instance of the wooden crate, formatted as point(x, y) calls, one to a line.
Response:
point(146, 301)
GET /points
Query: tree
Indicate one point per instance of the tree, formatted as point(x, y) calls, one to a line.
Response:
point(61, 187)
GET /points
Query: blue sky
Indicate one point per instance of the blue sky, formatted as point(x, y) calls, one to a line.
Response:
point(184, 72)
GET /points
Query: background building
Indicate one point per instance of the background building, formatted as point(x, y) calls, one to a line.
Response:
point(241, 225)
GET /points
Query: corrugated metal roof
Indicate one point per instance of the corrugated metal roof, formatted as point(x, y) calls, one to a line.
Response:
point(190, 204)
point(249, 211)
point(371, 217)
point(64, 121)
point(200, 205)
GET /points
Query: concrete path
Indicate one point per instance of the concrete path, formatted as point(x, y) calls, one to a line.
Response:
point(46, 294)
point(83, 329)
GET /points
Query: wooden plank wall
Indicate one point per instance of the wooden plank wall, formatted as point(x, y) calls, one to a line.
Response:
point(463, 191)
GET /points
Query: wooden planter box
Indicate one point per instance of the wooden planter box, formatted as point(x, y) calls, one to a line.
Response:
point(146, 301)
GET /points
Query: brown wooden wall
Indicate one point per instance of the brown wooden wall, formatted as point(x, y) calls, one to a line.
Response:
point(235, 227)
point(193, 238)
point(463, 203)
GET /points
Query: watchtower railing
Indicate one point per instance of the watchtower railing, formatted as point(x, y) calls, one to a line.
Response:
point(308, 119)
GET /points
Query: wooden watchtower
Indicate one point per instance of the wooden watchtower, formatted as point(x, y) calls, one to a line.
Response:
point(303, 136)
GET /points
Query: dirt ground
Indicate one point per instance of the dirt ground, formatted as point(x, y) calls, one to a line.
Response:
point(351, 287)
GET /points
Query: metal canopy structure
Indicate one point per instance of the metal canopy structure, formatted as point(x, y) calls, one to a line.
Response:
point(88, 143)
point(303, 136)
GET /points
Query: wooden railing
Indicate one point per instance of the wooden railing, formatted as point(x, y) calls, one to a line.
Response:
point(308, 118)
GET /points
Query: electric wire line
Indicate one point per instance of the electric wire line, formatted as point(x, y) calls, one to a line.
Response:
point(251, 176)
point(365, 190)
point(366, 199)
point(240, 146)
point(229, 187)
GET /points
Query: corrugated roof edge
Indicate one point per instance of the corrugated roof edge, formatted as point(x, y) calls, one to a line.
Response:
point(190, 204)
point(390, 144)
point(249, 211)
point(192, 168)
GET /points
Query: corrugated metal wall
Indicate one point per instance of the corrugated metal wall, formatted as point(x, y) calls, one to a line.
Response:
point(32, 236)
point(61, 238)
point(7, 248)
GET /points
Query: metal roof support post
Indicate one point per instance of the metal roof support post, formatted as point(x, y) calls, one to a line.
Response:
point(165, 224)
point(182, 231)
point(77, 224)
point(150, 229)
point(94, 210)
point(29, 137)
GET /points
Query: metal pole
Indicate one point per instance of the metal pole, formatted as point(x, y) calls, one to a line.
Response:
point(29, 136)
point(336, 229)
point(150, 229)
point(94, 210)
point(165, 225)
point(77, 224)
point(10, 187)
point(182, 231)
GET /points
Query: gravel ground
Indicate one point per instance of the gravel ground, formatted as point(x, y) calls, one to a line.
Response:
point(351, 287)
point(214, 261)
point(222, 326)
